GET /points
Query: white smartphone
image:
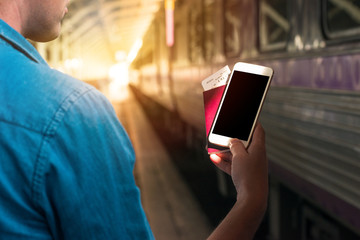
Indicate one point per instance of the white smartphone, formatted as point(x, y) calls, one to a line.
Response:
point(241, 104)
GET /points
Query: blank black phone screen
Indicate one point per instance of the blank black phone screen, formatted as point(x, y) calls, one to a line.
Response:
point(240, 105)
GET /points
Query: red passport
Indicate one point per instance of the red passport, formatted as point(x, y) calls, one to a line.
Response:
point(212, 100)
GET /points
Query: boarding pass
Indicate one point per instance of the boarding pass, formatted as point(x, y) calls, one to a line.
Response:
point(217, 79)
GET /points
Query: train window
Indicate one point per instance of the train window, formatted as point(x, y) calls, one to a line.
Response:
point(232, 28)
point(342, 18)
point(209, 29)
point(274, 24)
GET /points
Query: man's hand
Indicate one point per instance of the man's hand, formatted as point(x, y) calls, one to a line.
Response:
point(249, 171)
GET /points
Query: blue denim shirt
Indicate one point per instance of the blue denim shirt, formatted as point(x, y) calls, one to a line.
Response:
point(65, 161)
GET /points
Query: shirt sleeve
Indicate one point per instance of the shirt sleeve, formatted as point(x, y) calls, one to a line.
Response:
point(84, 180)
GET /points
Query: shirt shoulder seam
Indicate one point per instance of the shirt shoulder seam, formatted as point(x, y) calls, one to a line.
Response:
point(50, 131)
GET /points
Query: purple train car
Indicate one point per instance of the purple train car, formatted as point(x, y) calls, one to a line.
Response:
point(311, 115)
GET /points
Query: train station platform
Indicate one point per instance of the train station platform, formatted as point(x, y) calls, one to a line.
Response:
point(172, 210)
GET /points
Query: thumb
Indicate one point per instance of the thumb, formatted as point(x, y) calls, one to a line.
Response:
point(237, 147)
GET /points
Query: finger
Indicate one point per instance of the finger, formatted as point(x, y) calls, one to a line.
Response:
point(258, 138)
point(237, 147)
point(222, 164)
point(226, 156)
point(259, 132)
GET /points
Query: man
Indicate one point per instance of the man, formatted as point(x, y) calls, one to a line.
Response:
point(65, 161)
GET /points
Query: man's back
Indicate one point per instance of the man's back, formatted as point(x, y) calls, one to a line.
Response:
point(65, 161)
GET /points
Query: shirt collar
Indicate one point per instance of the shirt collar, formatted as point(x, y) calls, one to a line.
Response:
point(18, 42)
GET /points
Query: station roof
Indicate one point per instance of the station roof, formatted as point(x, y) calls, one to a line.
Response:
point(110, 25)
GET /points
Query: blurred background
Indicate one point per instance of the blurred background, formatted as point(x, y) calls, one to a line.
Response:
point(151, 55)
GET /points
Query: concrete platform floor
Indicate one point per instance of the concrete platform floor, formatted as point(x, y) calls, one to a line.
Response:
point(171, 209)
